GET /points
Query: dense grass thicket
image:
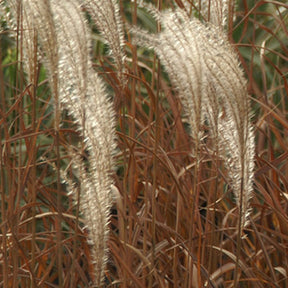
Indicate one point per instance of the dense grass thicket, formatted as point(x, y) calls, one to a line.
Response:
point(144, 144)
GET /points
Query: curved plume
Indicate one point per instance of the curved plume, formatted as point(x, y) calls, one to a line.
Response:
point(66, 47)
point(83, 93)
point(205, 70)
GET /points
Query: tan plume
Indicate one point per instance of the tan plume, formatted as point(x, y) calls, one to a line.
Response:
point(66, 47)
point(205, 70)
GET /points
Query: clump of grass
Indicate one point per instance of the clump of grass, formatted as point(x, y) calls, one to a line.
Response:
point(184, 142)
point(74, 84)
point(204, 68)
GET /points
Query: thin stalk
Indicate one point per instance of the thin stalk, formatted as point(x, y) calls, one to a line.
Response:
point(72, 284)
point(212, 238)
point(122, 213)
point(58, 166)
point(74, 256)
point(122, 233)
point(122, 228)
point(150, 125)
point(196, 201)
point(133, 116)
point(212, 260)
point(4, 221)
point(194, 198)
point(130, 166)
point(3, 185)
point(59, 200)
point(33, 172)
point(175, 252)
point(154, 186)
point(19, 86)
point(239, 234)
point(146, 201)
point(155, 160)
point(189, 272)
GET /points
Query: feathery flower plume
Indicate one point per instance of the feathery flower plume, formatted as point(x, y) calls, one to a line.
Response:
point(83, 94)
point(66, 46)
point(174, 50)
point(106, 15)
point(205, 70)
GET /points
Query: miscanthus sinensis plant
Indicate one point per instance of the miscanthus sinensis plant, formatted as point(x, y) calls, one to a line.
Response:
point(205, 70)
point(65, 52)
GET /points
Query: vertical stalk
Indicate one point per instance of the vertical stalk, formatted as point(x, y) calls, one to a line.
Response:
point(33, 144)
point(77, 207)
point(155, 160)
point(122, 233)
point(133, 116)
point(76, 225)
point(4, 219)
point(195, 197)
point(239, 234)
point(131, 165)
point(175, 257)
point(123, 205)
point(154, 181)
point(212, 239)
point(3, 185)
point(59, 198)
point(157, 125)
point(15, 200)
point(58, 181)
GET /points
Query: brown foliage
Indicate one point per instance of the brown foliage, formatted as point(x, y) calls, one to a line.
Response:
point(170, 226)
